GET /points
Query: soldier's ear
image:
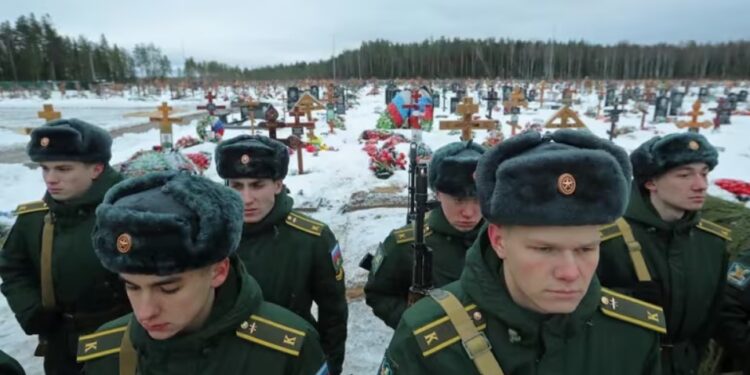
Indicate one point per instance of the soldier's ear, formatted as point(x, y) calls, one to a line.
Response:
point(497, 240)
point(219, 273)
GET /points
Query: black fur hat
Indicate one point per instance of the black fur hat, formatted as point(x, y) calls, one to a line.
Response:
point(660, 154)
point(166, 223)
point(70, 140)
point(452, 168)
point(566, 178)
point(252, 156)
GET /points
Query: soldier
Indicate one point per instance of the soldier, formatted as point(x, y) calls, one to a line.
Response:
point(449, 231)
point(733, 331)
point(172, 238)
point(661, 251)
point(52, 279)
point(295, 259)
point(9, 366)
point(528, 300)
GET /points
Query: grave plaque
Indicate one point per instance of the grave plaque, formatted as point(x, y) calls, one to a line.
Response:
point(724, 112)
point(676, 103)
point(315, 91)
point(454, 104)
point(661, 110)
point(733, 101)
point(436, 99)
point(610, 98)
point(742, 96)
point(507, 92)
point(703, 94)
point(292, 96)
point(532, 95)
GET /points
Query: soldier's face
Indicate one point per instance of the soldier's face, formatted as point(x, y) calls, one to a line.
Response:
point(547, 269)
point(680, 189)
point(168, 305)
point(462, 213)
point(258, 196)
point(67, 180)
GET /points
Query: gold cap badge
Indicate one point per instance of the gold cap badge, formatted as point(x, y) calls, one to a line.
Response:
point(124, 243)
point(693, 145)
point(44, 142)
point(566, 184)
point(245, 159)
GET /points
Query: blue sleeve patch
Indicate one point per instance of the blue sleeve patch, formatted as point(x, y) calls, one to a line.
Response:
point(385, 366)
point(738, 275)
point(338, 262)
point(323, 369)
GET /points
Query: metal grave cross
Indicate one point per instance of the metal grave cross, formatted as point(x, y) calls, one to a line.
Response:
point(211, 107)
point(614, 117)
point(467, 109)
point(165, 125)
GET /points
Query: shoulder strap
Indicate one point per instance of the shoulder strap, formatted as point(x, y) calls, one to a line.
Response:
point(716, 229)
point(304, 224)
point(476, 344)
point(406, 234)
point(100, 344)
point(29, 207)
point(634, 248)
point(271, 334)
point(632, 310)
point(128, 356)
point(609, 231)
point(48, 288)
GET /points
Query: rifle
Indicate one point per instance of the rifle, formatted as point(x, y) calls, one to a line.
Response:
point(412, 181)
point(422, 271)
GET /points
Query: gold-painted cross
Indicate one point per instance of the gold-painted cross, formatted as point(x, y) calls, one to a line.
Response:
point(307, 103)
point(165, 125)
point(694, 125)
point(251, 106)
point(567, 117)
point(49, 114)
point(467, 109)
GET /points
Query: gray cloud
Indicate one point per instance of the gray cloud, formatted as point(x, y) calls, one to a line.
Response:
point(254, 33)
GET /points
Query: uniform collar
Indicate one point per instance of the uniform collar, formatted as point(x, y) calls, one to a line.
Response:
point(641, 209)
point(439, 223)
point(88, 202)
point(281, 207)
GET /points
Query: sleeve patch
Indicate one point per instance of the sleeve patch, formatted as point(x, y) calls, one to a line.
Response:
point(715, 229)
point(378, 259)
point(631, 310)
point(272, 335)
point(738, 275)
point(99, 344)
point(26, 208)
point(386, 366)
point(304, 224)
point(338, 262)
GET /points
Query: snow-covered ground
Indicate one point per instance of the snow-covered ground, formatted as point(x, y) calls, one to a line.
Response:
point(330, 179)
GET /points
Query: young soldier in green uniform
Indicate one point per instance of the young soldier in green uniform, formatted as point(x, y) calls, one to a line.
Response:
point(51, 277)
point(172, 238)
point(449, 231)
point(528, 300)
point(661, 251)
point(9, 366)
point(295, 259)
point(734, 323)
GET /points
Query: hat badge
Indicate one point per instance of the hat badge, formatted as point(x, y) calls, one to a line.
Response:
point(693, 145)
point(566, 184)
point(44, 142)
point(245, 159)
point(124, 243)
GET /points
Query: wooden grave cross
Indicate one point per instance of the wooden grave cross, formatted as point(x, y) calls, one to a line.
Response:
point(306, 104)
point(467, 109)
point(272, 123)
point(517, 99)
point(614, 117)
point(165, 125)
point(295, 141)
point(541, 94)
point(211, 107)
point(48, 114)
point(251, 106)
point(567, 117)
point(694, 125)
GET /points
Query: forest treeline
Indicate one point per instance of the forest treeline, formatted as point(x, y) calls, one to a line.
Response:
point(31, 49)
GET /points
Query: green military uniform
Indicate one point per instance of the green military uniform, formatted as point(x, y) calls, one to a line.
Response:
point(243, 335)
point(678, 265)
point(169, 223)
point(81, 294)
point(451, 172)
point(295, 259)
point(733, 330)
point(388, 284)
point(586, 341)
point(474, 326)
point(9, 366)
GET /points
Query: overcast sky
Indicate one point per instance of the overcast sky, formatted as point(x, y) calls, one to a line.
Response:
point(252, 33)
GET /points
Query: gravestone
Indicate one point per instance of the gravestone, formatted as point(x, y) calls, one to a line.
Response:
point(676, 103)
point(292, 96)
point(742, 96)
point(661, 110)
point(390, 91)
point(491, 99)
point(703, 94)
point(315, 91)
point(610, 98)
point(460, 93)
point(454, 104)
point(724, 112)
point(340, 101)
point(435, 99)
point(532, 95)
point(507, 92)
point(733, 101)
